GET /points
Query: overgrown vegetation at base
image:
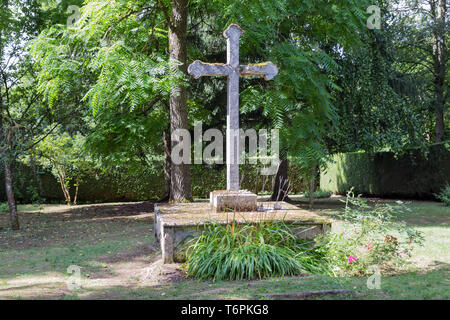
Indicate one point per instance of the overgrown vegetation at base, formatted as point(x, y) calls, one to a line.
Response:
point(247, 252)
point(373, 240)
point(444, 196)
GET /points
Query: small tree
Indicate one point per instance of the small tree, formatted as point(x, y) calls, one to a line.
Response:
point(63, 155)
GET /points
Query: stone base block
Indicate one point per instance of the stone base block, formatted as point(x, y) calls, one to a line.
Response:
point(227, 200)
point(176, 224)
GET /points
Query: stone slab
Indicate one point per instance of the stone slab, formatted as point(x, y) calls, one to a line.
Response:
point(230, 200)
point(174, 224)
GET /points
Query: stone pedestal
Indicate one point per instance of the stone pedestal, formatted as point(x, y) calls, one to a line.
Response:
point(175, 224)
point(229, 200)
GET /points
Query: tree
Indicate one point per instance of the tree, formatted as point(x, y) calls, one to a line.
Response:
point(298, 36)
point(63, 155)
point(180, 173)
point(421, 29)
point(22, 116)
point(122, 47)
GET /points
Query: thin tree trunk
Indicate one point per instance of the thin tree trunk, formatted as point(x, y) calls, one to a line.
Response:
point(281, 185)
point(14, 217)
point(166, 145)
point(77, 181)
point(312, 184)
point(439, 65)
point(180, 174)
point(62, 181)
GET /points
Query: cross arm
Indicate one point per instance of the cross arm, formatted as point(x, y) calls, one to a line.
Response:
point(266, 69)
point(199, 69)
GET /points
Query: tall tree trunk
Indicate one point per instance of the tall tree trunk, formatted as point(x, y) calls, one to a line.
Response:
point(281, 185)
point(439, 63)
point(180, 173)
point(14, 217)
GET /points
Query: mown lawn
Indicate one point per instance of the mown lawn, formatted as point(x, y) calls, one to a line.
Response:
point(113, 244)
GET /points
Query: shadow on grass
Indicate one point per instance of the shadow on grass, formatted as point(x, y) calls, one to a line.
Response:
point(425, 284)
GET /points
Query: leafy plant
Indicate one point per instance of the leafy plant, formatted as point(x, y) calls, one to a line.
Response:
point(247, 252)
point(444, 196)
point(372, 237)
point(319, 194)
point(3, 207)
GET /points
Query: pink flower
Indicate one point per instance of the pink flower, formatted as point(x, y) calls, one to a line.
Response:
point(369, 245)
point(352, 259)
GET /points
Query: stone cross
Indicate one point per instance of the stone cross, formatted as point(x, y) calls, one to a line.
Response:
point(232, 70)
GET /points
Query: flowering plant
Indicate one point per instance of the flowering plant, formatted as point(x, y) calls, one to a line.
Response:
point(373, 236)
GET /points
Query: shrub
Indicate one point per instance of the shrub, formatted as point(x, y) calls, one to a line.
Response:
point(3, 207)
point(372, 237)
point(247, 252)
point(319, 194)
point(444, 196)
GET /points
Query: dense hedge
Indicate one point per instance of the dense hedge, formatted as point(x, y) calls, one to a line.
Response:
point(412, 175)
point(134, 185)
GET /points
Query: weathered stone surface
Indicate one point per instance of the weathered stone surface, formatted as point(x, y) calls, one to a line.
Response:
point(232, 70)
point(199, 69)
point(175, 224)
point(230, 200)
point(267, 69)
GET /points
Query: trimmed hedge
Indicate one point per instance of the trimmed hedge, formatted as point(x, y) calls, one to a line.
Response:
point(134, 185)
point(412, 175)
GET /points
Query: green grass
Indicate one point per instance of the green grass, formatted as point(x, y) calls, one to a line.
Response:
point(111, 243)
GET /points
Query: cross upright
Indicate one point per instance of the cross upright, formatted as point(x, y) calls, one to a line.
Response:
point(232, 70)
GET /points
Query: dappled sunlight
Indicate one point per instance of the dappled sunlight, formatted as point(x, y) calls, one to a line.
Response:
point(113, 245)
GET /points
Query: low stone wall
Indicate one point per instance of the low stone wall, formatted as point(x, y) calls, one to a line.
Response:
point(175, 224)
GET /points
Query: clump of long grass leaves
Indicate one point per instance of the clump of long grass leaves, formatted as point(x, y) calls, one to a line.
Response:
point(250, 251)
point(373, 237)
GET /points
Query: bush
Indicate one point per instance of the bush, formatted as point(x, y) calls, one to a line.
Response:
point(247, 252)
point(444, 196)
point(319, 194)
point(4, 207)
point(372, 237)
point(136, 183)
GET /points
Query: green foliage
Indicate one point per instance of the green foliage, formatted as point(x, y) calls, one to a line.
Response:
point(247, 252)
point(412, 175)
point(62, 154)
point(444, 196)
point(127, 180)
point(372, 235)
point(373, 238)
point(319, 194)
point(3, 207)
point(115, 48)
point(297, 36)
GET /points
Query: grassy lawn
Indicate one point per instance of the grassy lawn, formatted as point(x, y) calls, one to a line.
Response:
point(113, 244)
